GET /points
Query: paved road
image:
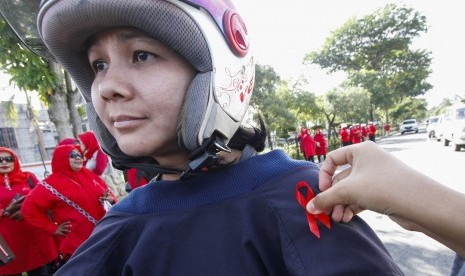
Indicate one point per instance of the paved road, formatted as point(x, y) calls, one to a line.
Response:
point(416, 253)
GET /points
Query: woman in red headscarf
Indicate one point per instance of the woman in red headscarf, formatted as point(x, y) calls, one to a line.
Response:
point(33, 248)
point(321, 145)
point(307, 145)
point(73, 194)
point(95, 159)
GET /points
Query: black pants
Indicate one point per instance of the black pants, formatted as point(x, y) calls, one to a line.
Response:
point(321, 159)
point(46, 270)
point(311, 158)
point(372, 138)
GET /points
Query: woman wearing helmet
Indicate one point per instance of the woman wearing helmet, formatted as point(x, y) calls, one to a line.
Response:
point(167, 85)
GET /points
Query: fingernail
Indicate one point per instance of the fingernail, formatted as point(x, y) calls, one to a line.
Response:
point(311, 208)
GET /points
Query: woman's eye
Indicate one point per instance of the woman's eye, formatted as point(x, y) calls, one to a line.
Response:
point(143, 56)
point(99, 65)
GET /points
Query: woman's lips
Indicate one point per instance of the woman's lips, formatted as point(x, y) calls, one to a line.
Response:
point(126, 121)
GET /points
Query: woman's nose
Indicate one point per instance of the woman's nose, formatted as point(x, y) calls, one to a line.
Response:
point(114, 85)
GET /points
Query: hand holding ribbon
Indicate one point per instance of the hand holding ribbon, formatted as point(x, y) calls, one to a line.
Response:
point(303, 200)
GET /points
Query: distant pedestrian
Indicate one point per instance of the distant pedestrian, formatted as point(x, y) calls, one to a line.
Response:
point(307, 145)
point(371, 131)
point(321, 145)
point(387, 127)
point(345, 135)
point(364, 131)
point(94, 158)
point(356, 134)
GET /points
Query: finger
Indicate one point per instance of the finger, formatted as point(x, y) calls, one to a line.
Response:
point(341, 175)
point(348, 215)
point(338, 213)
point(334, 159)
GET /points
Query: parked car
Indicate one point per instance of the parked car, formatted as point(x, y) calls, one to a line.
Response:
point(409, 126)
point(453, 127)
point(433, 123)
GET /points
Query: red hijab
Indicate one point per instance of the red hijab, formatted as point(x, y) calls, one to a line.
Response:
point(90, 141)
point(61, 168)
point(17, 176)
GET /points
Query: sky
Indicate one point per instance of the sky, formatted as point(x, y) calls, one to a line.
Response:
point(282, 32)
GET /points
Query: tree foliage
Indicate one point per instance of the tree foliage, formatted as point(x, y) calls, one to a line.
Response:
point(27, 70)
point(32, 73)
point(273, 106)
point(410, 108)
point(375, 53)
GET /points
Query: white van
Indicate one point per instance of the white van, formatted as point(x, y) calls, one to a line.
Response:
point(453, 126)
point(433, 123)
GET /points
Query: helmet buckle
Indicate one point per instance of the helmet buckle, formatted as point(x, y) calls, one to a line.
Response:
point(206, 156)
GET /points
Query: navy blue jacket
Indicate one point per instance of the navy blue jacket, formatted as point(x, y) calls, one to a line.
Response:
point(239, 220)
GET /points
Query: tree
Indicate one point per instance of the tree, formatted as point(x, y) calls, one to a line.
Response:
point(265, 100)
point(344, 104)
point(410, 108)
point(374, 52)
point(32, 73)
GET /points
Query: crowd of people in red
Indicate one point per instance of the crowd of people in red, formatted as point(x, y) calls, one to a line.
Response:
point(43, 222)
point(357, 133)
point(317, 145)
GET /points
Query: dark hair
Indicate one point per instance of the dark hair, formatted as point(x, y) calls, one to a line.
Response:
point(254, 136)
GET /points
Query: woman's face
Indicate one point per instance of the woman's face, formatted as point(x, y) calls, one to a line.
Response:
point(138, 91)
point(75, 160)
point(7, 162)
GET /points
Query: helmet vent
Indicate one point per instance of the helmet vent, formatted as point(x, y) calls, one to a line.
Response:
point(236, 33)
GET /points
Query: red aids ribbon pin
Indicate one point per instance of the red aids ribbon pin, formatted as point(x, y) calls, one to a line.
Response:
point(303, 200)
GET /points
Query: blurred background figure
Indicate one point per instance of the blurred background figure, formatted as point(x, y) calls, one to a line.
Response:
point(94, 158)
point(387, 128)
point(75, 196)
point(355, 134)
point(364, 131)
point(98, 162)
point(321, 145)
point(307, 144)
point(35, 250)
point(69, 141)
point(135, 178)
point(371, 131)
point(345, 135)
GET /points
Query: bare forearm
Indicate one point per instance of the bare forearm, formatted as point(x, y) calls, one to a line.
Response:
point(433, 209)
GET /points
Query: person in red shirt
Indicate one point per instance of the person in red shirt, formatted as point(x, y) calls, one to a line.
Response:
point(35, 250)
point(371, 131)
point(345, 135)
point(356, 134)
point(321, 145)
point(364, 131)
point(387, 127)
point(135, 178)
point(69, 181)
point(307, 145)
point(94, 158)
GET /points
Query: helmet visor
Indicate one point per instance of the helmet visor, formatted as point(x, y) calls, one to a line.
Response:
point(21, 16)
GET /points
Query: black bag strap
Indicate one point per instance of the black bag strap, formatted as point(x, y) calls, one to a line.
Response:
point(30, 182)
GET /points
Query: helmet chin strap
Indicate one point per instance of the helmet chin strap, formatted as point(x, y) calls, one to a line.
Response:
point(203, 157)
